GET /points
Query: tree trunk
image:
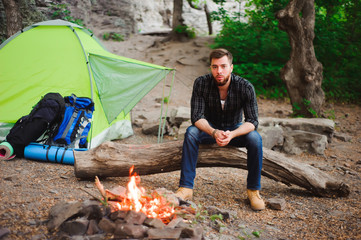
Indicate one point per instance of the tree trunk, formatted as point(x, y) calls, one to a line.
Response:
point(206, 11)
point(112, 159)
point(13, 17)
point(178, 22)
point(209, 22)
point(177, 13)
point(302, 74)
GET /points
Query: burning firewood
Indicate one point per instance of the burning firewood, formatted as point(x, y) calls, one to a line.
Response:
point(100, 187)
point(116, 194)
point(135, 198)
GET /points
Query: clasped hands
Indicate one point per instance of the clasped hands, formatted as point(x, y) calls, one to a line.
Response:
point(223, 137)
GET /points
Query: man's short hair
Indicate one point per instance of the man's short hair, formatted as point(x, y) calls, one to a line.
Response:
point(219, 53)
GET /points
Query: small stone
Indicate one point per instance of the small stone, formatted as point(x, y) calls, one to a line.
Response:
point(75, 227)
point(193, 232)
point(135, 217)
point(118, 215)
point(92, 228)
point(154, 222)
point(61, 212)
point(130, 230)
point(32, 222)
point(53, 191)
point(38, 237)
point(4, 232)
point(342, 137)
point(216, 211)
point(91, 210)
point(277, 203)
point(218, 225)
point(138, 122)
point(106, 225)
point(165, 233)
point(174, 222)
point(9, 178)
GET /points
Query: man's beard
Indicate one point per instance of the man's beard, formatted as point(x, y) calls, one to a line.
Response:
point(222, 83)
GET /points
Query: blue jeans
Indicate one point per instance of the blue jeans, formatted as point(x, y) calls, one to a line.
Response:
point(193, 137)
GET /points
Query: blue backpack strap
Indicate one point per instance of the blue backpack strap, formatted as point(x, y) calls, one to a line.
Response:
point(73, 131)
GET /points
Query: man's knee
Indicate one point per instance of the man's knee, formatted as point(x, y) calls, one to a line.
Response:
point(192, 131)
point(254, 138)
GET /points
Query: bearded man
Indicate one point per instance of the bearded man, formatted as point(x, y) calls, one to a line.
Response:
point(219, 101)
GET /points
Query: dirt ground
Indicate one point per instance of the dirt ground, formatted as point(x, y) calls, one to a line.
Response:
point(28, 189)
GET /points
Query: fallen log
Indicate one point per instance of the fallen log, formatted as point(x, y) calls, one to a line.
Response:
point(113, 159)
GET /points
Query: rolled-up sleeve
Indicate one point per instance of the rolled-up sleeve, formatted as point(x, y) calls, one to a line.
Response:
point(250, 107)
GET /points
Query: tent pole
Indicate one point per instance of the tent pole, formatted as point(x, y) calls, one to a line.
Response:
point(161, 128)
point(87, 61)
point(90, 77)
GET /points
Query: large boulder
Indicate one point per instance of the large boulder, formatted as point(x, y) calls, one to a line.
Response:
point(300, 134)
point(299, 141)
point(272, 136)
point(321, 126)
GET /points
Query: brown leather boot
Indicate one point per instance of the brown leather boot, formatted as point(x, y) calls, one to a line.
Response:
point(184, 193)
point(257, 202)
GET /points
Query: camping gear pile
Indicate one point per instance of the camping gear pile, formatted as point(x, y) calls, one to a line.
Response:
point(60, 124)
point(61, 57)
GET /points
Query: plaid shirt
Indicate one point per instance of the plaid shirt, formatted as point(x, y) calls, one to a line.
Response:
point(206, 104)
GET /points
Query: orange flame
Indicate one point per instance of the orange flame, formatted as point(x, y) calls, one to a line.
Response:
point(153, 205)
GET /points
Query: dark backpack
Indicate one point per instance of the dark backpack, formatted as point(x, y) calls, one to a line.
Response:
point(40, 122)
point(75, 126)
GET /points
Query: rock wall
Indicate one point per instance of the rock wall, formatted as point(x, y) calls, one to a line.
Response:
point(123, 17)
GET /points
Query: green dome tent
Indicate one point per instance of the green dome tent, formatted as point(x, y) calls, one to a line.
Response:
point(59, 56)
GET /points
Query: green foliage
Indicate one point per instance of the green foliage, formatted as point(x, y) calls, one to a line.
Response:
point(296, 109)
point(113, 36)
point(216, 216)
point(166, 100)
point(2, 39)
point(260, 49)
point(337, 46)
point(257, 233)
point(307, 105)
point(249, 236)
point(106, 36)
point(330, 114)
point(201, 214)
point(184, 29)
point(61, 11)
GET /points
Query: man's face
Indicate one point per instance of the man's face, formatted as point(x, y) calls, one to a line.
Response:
point(221, 70)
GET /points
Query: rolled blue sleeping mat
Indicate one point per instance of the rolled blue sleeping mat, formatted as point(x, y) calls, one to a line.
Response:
point(41, 152)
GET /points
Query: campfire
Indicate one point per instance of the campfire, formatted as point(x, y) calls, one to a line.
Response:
point(135, 198)
point(126, 212)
